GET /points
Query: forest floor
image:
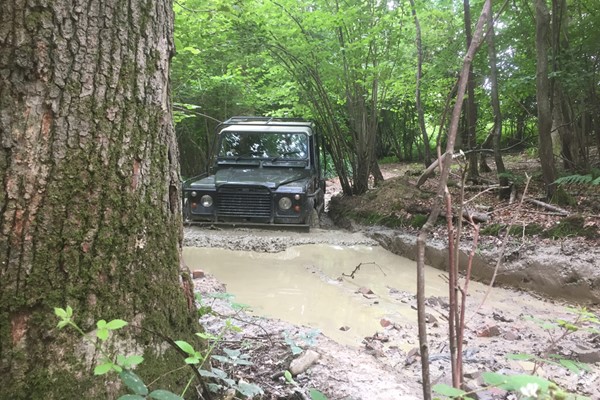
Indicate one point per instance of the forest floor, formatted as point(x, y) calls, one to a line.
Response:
point(387, 364)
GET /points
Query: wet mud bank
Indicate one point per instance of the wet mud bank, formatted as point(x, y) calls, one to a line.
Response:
point(568, 270)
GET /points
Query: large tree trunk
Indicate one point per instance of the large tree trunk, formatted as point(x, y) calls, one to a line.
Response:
point(89, 198)
point(542, 24)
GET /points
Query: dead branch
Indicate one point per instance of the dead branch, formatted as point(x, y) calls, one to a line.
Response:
point(550, 207)
point(503, 248)
point(357, 268)
point(477, 216)
point(485, 190)
point(429, 171)
point(551, 213)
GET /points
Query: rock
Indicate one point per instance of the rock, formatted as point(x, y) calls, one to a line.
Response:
point(384, 322)
point(489, 331)
point(587, 354)
point(198, 274)
point(511, 336)
point(491, 394)
point(429, 318)
point(500, 317)
point(473, 373)
point(365, 290)
point(344, 328)
point(304, 362)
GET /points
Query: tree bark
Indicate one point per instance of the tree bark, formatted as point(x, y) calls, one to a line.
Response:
point(90, 210)
point(441, 193)
point(471, 107)
point(495, 100)
point(418, 103)
point(542, 23)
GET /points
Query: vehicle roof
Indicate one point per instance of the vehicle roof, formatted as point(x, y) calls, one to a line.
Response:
point(273, 127)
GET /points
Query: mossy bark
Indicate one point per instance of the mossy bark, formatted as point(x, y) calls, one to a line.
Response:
point(90, 211)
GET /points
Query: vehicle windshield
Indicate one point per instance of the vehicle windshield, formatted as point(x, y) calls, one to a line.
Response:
point(275, 146)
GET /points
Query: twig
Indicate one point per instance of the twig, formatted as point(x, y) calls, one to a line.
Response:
point(556, 214)
point(502, 249)
point(357, 268)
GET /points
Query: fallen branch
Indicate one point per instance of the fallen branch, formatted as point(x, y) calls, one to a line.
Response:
point(357, 268)
point(429, 171)
point(550, 207)
point(477, 216)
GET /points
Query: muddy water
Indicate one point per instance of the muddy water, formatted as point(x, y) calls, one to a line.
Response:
point(305, 285)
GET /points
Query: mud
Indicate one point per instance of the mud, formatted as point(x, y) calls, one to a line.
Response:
point(385, 364)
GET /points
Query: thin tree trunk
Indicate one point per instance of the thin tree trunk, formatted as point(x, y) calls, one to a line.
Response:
point(418, 103)
point(471, 108)
point(446, 162)
point(90, 200)
point(497, 130)
point(543, 93)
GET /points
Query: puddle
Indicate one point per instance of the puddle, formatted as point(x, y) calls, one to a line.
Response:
point(304, 285)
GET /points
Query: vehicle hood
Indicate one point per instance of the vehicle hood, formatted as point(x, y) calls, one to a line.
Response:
point(269, 177)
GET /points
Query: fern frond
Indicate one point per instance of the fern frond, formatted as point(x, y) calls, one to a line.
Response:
point(577, 179)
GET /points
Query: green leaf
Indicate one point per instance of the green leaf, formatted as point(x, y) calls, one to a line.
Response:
point(316, 395)
point(132, 360)
point(447, 390)
point(288, 377)
point(69, 312)
point(572, 366)
point(59, 312)
point(164, 395)
point(249, 389)
point(102, 334)
point(131, 397)
point(192, 50)
point(192, 360)
point(133, 382)
point(185, 346)
point(103, 368)
point(101, 324)
point(116, 324)
point(62, 324)
point(513, 382)
point(521, 356)
point(206, 336)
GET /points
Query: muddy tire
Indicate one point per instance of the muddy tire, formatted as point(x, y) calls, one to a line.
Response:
point(313, 219)
point(185, 210)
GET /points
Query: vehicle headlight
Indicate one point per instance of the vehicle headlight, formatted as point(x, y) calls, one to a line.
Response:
point(285, 203)
point(194, 194)
point(206, 201)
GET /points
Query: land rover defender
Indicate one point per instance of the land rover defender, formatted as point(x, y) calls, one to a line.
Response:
point(266, 171)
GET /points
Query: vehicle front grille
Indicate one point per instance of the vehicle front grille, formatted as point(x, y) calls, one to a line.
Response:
point(244, 202)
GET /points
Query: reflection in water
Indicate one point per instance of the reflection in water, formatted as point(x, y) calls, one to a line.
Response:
point(304, 285)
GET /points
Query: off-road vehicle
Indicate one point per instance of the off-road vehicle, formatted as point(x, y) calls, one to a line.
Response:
point(266, 171)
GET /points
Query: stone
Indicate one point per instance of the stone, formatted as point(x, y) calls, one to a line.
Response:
point(489, 331)
point(304, 362)
point(586, 354)
point(365, 290)
point(511, 336)
point(344, 328)
point(198, 274)
point(430, 319)
point(384, 322)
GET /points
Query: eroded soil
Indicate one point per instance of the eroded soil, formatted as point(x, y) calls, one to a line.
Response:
point(386, 364)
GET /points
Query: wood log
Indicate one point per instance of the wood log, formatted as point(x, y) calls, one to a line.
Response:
point(550, 207)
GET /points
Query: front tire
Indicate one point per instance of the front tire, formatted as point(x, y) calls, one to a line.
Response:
point(313, 219)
